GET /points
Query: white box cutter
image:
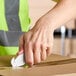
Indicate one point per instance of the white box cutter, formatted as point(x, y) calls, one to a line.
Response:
point(18, 61)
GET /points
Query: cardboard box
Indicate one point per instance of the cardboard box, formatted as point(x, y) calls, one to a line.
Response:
point(55, 65)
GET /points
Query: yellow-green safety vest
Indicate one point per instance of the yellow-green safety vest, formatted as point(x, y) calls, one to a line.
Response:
point(14, 21)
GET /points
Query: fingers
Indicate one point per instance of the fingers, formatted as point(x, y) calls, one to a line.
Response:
point(35, 49)
point(29, 54)
point(37, 56)
point(43, 52)
point(32, 54)
point(35, 53)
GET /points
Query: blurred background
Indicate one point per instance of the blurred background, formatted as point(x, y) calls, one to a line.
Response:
point(64, 37)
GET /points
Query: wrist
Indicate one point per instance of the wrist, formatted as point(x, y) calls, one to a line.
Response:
point(49, 21)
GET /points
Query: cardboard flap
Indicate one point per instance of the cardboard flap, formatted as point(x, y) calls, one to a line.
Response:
point(53, 70)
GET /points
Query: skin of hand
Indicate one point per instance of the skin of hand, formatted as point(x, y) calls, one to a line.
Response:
point(37, 43)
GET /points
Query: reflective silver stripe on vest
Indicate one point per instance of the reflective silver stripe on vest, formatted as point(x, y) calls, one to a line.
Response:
point(11, 13)
point(10, 38)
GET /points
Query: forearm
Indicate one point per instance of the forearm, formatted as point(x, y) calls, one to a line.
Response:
point(64, 11)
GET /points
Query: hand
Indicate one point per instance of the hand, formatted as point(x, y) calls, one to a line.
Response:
point(37, 43)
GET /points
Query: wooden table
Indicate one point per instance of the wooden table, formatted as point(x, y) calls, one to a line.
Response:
point(53, 66)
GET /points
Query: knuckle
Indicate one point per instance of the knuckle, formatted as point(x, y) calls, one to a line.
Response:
point(36, 44)
point(28, 44)
point(43, 46)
